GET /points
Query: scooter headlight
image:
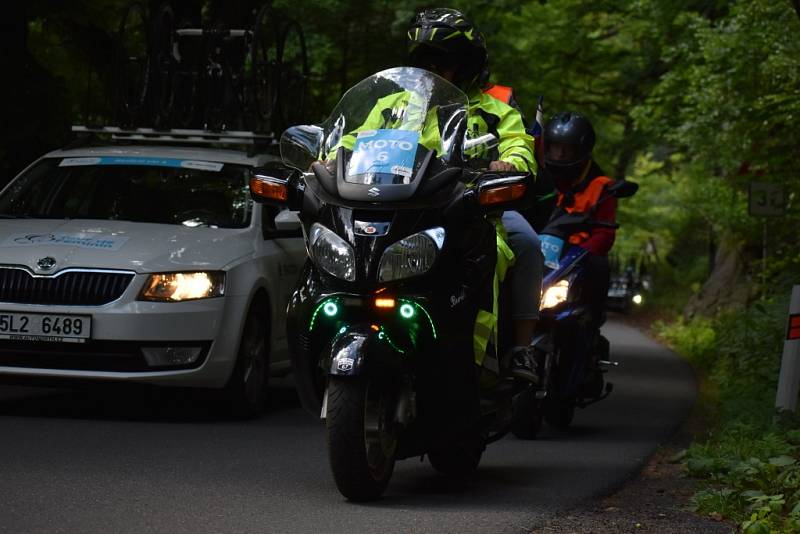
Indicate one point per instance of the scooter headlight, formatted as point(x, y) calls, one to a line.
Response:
point(411, 256)
point(555, 295)
point(331, 253)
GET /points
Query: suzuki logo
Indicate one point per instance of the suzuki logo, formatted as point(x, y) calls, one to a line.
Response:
point(373, 192)
point(46, 263)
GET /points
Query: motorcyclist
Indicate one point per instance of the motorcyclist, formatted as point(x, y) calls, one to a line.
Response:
point(444, 41)
point(568, 141)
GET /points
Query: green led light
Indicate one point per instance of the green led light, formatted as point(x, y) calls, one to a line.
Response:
point(330, 309)
point(384, 336)
point(407, 311)
point(417, 305)
point(342, 330)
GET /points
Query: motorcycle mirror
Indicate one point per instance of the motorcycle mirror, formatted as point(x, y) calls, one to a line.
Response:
point(623, 188)
point(301, 145)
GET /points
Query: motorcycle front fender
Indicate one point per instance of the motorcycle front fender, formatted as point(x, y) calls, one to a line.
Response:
point(349, 350)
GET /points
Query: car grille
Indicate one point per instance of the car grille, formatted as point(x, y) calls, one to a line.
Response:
point(71, 288)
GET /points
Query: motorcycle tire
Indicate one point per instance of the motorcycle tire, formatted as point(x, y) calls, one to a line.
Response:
point(361, 448)
point(527, 415)
point(459, 460)
point(559, 413)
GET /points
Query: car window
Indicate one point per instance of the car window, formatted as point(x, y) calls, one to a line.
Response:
point(137, 193)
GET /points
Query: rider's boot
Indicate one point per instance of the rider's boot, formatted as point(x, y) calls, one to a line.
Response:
point(523, 364)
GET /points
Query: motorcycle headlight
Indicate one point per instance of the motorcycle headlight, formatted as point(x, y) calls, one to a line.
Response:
point(331, 253)
point(555, 295)
point(411, 256)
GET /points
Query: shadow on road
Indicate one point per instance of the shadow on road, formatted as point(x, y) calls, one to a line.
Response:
point(132, 403)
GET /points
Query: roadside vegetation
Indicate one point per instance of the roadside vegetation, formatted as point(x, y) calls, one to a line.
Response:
point(749, 457)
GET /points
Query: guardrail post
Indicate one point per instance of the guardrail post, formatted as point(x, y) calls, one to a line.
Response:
point(789, 379)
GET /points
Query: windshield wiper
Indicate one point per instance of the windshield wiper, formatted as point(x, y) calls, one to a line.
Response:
point(7, 216)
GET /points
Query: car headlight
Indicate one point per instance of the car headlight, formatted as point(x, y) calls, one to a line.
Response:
point(555, 295)
point(332, 253)
point(411, 256)
point(176, 287)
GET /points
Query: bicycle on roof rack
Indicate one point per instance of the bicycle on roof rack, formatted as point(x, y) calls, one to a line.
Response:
point(174, 75)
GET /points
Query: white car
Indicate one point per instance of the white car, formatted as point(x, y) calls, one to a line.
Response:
point(144, 264)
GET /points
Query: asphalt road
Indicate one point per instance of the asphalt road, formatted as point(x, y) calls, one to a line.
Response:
point(97, 462)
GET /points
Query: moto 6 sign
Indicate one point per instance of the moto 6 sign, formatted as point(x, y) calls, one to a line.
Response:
point(385, 152)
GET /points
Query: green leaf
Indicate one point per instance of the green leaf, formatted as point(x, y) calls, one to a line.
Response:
point(758, 526)
point(700, 466)
point(782, 461)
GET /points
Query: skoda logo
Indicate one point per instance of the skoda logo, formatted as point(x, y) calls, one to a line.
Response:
point(46, 263)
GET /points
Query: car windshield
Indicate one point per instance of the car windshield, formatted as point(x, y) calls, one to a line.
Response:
point(210, 194)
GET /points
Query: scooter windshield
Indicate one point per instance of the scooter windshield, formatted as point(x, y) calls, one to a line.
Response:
point(389, 125)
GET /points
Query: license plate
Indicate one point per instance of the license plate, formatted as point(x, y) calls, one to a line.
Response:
point(45, 327)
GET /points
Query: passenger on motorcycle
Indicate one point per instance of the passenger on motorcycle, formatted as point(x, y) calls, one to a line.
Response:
point(444, 41)
point(569, 139)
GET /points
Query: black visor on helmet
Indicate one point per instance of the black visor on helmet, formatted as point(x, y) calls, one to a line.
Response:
point(568, 139)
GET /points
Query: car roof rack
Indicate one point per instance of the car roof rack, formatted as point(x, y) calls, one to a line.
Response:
point(181, 136)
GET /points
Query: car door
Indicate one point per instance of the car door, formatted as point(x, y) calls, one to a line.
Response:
point(284, 254)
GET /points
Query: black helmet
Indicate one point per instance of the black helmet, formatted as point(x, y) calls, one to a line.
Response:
point(568, 139)
point(441, 38)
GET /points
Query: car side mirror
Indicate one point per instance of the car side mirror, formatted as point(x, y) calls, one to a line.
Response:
point(288, 221)
point(623, 188)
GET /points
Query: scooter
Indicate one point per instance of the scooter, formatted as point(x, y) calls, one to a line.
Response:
point(573, 355)
point(397, 322)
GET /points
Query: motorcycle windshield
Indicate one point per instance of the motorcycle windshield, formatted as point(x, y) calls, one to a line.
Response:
point(389, 125)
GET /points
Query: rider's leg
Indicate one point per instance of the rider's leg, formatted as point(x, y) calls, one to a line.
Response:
point(596, 288)
point(526, 287)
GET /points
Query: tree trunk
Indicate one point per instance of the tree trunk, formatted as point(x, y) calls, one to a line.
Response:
point(725, 286)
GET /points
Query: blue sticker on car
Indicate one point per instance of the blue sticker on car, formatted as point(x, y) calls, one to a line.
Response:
point(148, 162)
point(384, 151)
point(552, 247)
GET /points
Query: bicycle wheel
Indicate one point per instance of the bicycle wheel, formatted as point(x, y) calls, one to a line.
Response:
point(165, 64)
point(293, 75)
point(133, 64)
point(263, 64)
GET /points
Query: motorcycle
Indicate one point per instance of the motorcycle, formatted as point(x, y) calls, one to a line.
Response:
point(573, 355)
point(398, 321)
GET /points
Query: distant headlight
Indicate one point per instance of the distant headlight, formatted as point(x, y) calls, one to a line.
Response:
point(176, 287)
point(555, 295)
point(411, 256)
point(331, 253)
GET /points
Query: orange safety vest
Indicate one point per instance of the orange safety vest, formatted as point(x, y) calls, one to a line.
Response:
point(584, 201)
point(500, 92)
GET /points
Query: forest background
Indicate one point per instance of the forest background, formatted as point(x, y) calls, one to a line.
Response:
point(692, 99)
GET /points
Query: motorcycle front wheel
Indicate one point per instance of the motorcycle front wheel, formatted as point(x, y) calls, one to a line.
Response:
point(361, 444)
